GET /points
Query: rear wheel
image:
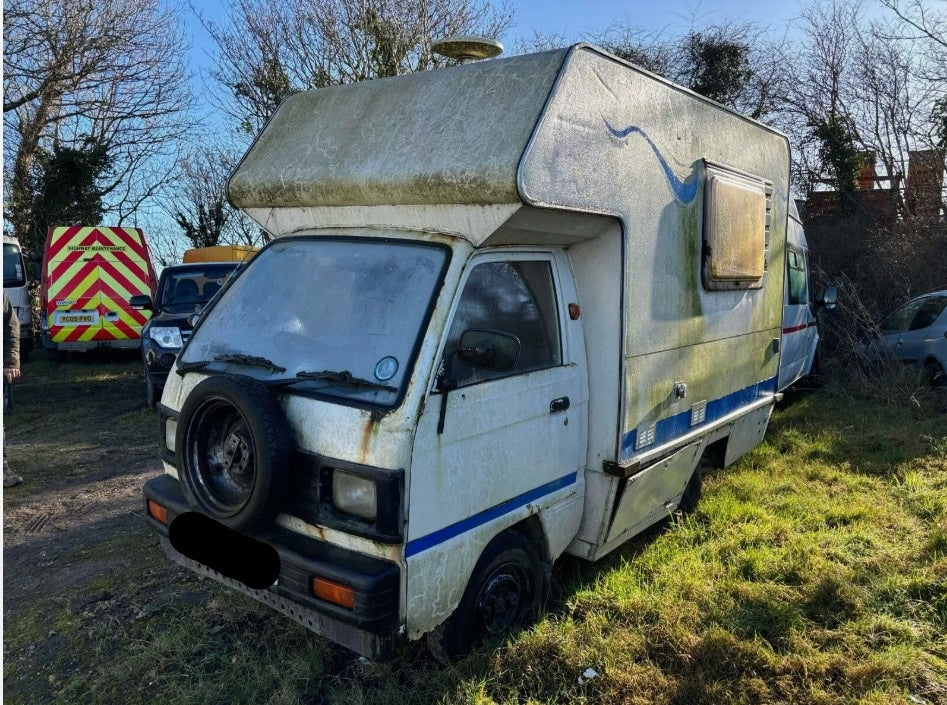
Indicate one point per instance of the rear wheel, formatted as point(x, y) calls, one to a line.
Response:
point(692, 491)
point(506, 591)
point(934, 374)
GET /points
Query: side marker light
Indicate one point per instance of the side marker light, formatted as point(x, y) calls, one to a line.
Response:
point(336, 593)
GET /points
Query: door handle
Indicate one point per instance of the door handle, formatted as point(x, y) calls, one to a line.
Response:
point(560, 404)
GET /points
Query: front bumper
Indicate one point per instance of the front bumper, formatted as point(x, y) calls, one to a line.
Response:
point(158, 360)
point(371, 628)
point(130, 344)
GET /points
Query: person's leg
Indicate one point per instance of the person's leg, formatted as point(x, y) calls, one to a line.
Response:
point(10, 478)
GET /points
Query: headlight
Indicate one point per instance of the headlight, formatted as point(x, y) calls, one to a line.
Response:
point(170, 434)
point(354, 495)
point(166, 337)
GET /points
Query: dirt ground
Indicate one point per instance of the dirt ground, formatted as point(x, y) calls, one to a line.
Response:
point(84, 442)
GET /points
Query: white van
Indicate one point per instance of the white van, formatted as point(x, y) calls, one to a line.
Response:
point(513, 309)
point(16, 288)
point(800, 337)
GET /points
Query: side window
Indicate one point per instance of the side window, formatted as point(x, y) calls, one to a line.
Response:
point(515, 297)
point(797, 276)
point(900, 320)
point(930, 309)
point(736, 231)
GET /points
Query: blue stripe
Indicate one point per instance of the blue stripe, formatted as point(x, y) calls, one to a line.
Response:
point(675, 426)
point(465, 525)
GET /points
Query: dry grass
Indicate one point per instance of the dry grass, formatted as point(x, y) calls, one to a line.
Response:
point(814, 572)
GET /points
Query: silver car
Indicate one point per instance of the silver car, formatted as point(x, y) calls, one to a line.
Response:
point(916, 333)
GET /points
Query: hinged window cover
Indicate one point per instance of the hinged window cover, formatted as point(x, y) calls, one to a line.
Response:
point(737, 210)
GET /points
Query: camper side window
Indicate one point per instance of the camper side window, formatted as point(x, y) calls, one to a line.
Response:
point(736, 230)
point(515, 297)
point(798, 279)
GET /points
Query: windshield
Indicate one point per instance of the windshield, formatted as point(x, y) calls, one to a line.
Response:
point(339, 317)
point(14, 273)
point(192, 287)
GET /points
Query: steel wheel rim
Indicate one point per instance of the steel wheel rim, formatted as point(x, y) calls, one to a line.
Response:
point(503, 599)
point(221, 457)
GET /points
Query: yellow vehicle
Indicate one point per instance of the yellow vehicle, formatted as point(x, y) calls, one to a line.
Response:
point(89, 276)
point(220, 253)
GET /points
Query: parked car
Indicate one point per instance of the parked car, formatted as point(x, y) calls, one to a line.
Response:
point(916, 334)
point(182, 292)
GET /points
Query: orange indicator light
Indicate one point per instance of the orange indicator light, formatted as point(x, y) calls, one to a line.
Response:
point(335, 593)
point(157, 512)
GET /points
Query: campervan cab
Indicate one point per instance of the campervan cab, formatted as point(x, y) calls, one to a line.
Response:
point(800, 338)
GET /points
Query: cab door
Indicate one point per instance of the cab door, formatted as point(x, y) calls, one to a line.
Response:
point(507, 438)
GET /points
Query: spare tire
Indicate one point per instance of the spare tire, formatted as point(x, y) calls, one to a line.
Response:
point(234, 451)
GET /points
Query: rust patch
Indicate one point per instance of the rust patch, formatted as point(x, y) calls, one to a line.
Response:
point(365, 441)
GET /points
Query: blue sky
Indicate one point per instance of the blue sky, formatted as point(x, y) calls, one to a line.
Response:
point(577, 18)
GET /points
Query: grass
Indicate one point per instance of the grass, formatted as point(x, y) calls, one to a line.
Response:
point(814, 571)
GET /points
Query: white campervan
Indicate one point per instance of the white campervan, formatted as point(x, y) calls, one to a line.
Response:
point(512, 309)
point(16, 288)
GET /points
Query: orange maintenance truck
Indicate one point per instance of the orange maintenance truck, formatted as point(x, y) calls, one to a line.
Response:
point(89, 276)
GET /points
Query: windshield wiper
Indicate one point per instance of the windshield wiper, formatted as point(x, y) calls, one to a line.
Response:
point(344, 377)
point(250, 361)
point(184, 367)
point(235, 358)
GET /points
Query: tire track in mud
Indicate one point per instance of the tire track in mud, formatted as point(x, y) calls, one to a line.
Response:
point(48, 537)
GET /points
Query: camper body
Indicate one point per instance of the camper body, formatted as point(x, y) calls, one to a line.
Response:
point(89, 275)
point(16, 288)
point(513, 309)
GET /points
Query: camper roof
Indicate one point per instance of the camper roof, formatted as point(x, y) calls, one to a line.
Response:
point(461, 150)
point(435, 137)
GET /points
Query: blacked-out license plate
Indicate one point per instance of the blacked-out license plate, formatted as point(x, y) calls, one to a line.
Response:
point(220, 548)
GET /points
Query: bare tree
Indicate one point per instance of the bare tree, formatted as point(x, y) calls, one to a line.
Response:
point(921, 20)
point(199, 205)
point(266, 50)
point(869, 78)
point(738, 64)
point(107, 70)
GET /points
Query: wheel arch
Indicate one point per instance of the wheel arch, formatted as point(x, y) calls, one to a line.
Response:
point(531, 527)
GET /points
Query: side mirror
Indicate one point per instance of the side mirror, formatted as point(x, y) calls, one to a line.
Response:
point(36, 268)
point(489, 350)
point(829, 297)
point(141, 302)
